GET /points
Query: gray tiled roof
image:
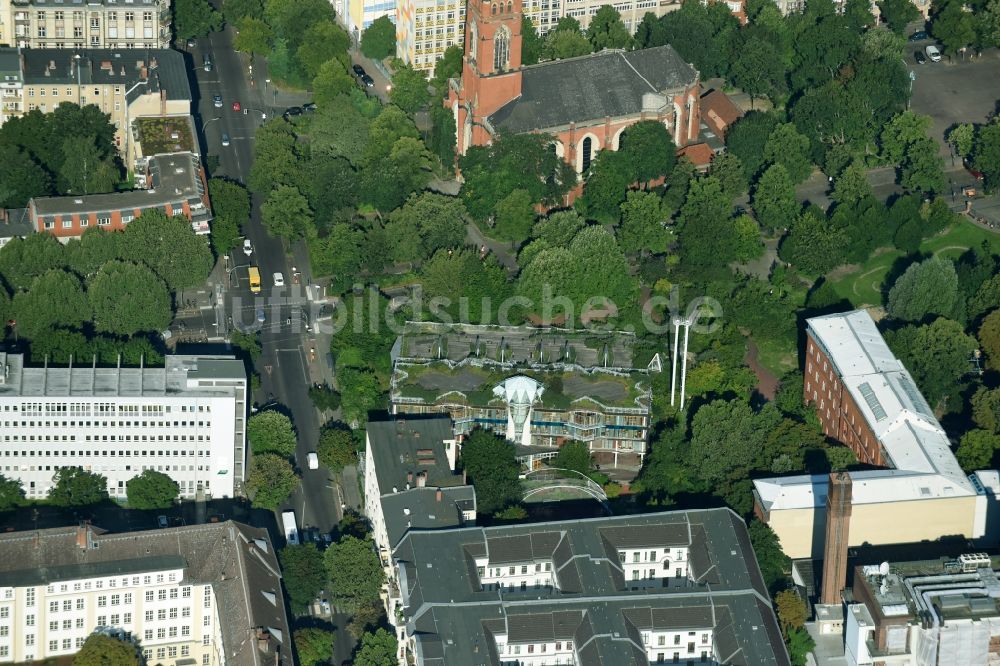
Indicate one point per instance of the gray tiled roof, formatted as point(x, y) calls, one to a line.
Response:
point(592, 87)
point(454, 619)
point(411, 445)
point(420, 509)
point(175, 179)
point(16, 223)
point(164, 69)
point(237, 560)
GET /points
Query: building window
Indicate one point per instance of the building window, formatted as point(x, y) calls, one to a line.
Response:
point(501, 50)
point(588, 147)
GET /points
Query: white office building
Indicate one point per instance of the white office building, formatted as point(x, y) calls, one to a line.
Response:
point(186, 419)
point(205, 595)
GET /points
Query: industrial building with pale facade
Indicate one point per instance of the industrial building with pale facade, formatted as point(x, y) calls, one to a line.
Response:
point(204, 595)
point(865, 398)
point(186, 420)
point(678, 587)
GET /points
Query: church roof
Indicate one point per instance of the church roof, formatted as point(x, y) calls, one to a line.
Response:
point(592, 87)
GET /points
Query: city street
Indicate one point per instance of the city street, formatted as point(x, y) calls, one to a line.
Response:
point(284, 363)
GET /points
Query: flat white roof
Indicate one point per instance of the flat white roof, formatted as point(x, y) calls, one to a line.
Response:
point(180, 376)
point(923, 465)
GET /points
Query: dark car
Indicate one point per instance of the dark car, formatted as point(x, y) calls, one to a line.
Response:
point(367, 80)
point(358, 70)
point(918, 36)
point(309, 107)
point(293, 111)
point(919, 57)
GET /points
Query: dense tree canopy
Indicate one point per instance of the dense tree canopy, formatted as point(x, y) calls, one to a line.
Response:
point(378, 41)
point(102, 650)
point(151, 490)
point(927, 287)
point(489, 462)
point(271, 432)
point(270, 481)
point(127, 298)
point(304, 573)
point(354, 571)
point(76, 487)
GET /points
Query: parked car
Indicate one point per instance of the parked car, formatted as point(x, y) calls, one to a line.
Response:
point(207, 63)
point(933, 53)
point(279, 280)
point(217, 101)
point(247, 247)
point(225, 139)
point(978, 175)
point(260, 315)
point(918, 36)
point(358, 70)
point(309, 107)
point(367, 80)
point(293, 111)
point(919, 57)
point(162, 521)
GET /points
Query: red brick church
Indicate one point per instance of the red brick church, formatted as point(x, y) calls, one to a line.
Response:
point(585, 103)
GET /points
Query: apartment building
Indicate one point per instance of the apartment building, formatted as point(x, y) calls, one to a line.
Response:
point(186, 419)
point(425, 28)
point(125, 84)
point(866, 399)
point(85, 24)
point(925, 613)
point(536, 387)
point(675, 587)
point(359, 14)
point(411, 482)
point(205, 595)
point(176, 185)
point(11, 85)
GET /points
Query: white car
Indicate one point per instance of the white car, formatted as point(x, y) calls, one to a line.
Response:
point(933, 53)
point(247, 247)
point(279, 280)
point(313, 460)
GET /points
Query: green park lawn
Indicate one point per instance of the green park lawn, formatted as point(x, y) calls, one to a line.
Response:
point(864, 284)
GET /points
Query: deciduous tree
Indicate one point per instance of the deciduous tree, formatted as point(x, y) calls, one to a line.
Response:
point(774, 199)
point(377, 649)
point(787, 147)
point(574, 456)
point(75, 487)
point(378, 41)
point(771, 558)
point(336, 448)
point(170, 247)
point(54, 299)
point(565, 44)
point(314, 645)
point(428, 222)
point(286, 214)
point(354, 571)
point(11, 493)
point(151, 490)
point(936, 354)
point(989, 339)
point(270, 481)
point(607, 30)
point(85, 168)
point(231, 208)
point(127, 298)
point(330, 83)
point(927, 287)
point(531, 44)
point(491, 467)
point(322, 42)
point(898, 14)
point(976, 449)
point(792, 611)
point(253, 36)
point(271, 432)
point(514, 217)
point(103, 650)
point(643, 225)
point(304, 573)
point(195, 18)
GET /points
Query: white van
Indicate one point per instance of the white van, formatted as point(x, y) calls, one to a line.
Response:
point(313, 460)
point(291, 529)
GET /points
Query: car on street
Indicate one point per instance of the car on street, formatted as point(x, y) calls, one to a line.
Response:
point(313, 460)
point(247, 247)
point(217, 101)
point(293, 111)
point(206, 62)
point(918, 36)
point(236, 106)
point(367, 80)
point(279, 280)
point(325, 606)
point(260, 315)
point(358, 70)
point(919, 57)
point(933, 53)
point(225, 139)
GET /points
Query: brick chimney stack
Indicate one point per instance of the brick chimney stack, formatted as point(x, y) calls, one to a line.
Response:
point(838, 525)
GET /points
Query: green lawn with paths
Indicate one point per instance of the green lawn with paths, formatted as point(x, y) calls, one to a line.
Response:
point(863, 285)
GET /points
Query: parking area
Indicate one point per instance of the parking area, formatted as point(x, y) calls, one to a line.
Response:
point(955, 90)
